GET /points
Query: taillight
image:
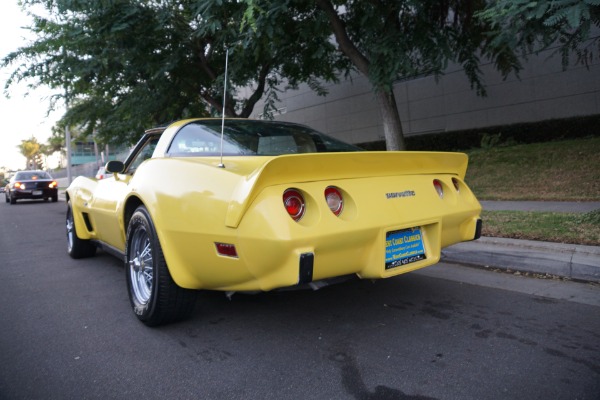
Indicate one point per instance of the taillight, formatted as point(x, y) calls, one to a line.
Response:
point(438, 188)
point(334, 199)
point(456, 184)
point(294, 203)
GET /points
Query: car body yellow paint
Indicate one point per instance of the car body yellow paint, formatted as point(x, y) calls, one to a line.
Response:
point(194, 204)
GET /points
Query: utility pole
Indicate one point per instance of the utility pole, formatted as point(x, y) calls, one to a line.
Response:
point(68, 140)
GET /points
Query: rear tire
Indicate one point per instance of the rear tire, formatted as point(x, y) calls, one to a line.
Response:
point(77, 248)
point(155, 298)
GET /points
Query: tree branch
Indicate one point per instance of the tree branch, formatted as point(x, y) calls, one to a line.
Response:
point(345, 44)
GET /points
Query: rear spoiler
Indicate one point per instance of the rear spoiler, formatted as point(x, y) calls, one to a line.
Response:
point(298, 168)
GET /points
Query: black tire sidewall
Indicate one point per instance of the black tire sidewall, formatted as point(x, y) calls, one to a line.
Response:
point(141, 218)
point(81, 248)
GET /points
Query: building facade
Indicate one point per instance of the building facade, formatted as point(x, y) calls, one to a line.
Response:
point(542, 91)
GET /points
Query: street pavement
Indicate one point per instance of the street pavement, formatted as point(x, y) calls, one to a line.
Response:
point(577, 262)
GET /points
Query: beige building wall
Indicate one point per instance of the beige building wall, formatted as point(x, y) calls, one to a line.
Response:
point(544, 91)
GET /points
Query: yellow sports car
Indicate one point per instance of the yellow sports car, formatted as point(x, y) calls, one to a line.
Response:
point(243, 205)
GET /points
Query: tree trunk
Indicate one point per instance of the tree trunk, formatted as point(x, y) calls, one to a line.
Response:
point(392, 126)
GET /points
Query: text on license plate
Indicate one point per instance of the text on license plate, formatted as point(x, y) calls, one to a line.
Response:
point(404, 247)
point(37, 193)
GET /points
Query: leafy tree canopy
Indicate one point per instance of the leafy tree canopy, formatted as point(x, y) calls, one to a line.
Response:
point(30, 149)
point(533, 26)
point(127, 65)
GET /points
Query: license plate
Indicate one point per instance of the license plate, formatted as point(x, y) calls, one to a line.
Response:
point(404, 247)
point(37, 193)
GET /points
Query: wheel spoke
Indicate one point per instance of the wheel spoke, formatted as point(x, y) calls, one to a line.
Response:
point(140, 265)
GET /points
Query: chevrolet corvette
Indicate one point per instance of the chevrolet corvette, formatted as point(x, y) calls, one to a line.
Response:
point(246, 205)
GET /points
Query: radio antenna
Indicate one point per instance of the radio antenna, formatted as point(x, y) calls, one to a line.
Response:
point(221, 165)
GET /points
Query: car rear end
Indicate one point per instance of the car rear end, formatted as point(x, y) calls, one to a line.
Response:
point(34, 189)
point(375, 230)
point(304, 218)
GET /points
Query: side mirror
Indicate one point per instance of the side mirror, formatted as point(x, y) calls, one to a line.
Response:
point(114, 167)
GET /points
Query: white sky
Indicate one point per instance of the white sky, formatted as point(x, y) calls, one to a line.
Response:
point(20, 116)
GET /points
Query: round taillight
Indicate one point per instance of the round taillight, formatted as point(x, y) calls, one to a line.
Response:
point(334, 199)
point(294, 203)
point(438, 188)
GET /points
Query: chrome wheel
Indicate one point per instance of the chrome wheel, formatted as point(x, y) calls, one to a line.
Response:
point(70, 231)
point(154, 296)
point(141, 265)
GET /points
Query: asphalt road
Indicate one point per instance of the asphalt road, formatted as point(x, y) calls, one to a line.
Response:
point(67, 332)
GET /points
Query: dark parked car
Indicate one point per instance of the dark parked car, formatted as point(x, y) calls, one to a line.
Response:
point(31, 185)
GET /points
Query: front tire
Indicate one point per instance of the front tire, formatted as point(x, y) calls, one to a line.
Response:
point(77, 248)
point(155, 298)
point(13, 200)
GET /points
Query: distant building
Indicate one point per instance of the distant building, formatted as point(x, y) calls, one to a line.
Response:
point(544, 91)
point(88, 152)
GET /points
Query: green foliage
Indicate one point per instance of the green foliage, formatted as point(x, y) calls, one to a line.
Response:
point(533, 26)
point(592, 217)
point(559, 170)
point(402, 39)
point(31, 150)
point(545, 226)
point(127, 65)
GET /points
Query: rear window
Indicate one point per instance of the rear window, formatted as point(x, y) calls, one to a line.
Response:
point(250, 137)
point(32, 175)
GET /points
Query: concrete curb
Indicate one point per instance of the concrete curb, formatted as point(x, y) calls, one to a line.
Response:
point(566, 260)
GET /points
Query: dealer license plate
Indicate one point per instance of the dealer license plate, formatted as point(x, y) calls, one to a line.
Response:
point(37, 193)
point(404, 247)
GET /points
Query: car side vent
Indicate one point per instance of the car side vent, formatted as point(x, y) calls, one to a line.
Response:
point(88, 223)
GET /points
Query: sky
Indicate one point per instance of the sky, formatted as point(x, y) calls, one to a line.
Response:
point(21, 116)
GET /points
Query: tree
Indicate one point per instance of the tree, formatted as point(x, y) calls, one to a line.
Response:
point(128, 65)
point(533, 26)
point(30, 148)
point(387, 40)
point(56, 142)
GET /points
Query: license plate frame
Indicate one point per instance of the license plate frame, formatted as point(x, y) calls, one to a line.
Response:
point(404, 247)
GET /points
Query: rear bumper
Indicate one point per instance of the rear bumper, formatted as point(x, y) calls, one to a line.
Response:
point(33, 194)
point(266, 263)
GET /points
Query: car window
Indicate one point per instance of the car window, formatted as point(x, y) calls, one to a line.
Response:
point(143, 154)
point(248, 137)
point(32, 175)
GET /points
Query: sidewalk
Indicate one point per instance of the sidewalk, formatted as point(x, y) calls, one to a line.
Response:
point(566, 260)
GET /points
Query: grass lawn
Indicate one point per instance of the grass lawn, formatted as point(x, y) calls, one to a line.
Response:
point(554, 171)
point(566, 170)
point(545, 226)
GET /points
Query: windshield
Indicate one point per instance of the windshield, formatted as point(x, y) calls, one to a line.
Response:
point(251, 137)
